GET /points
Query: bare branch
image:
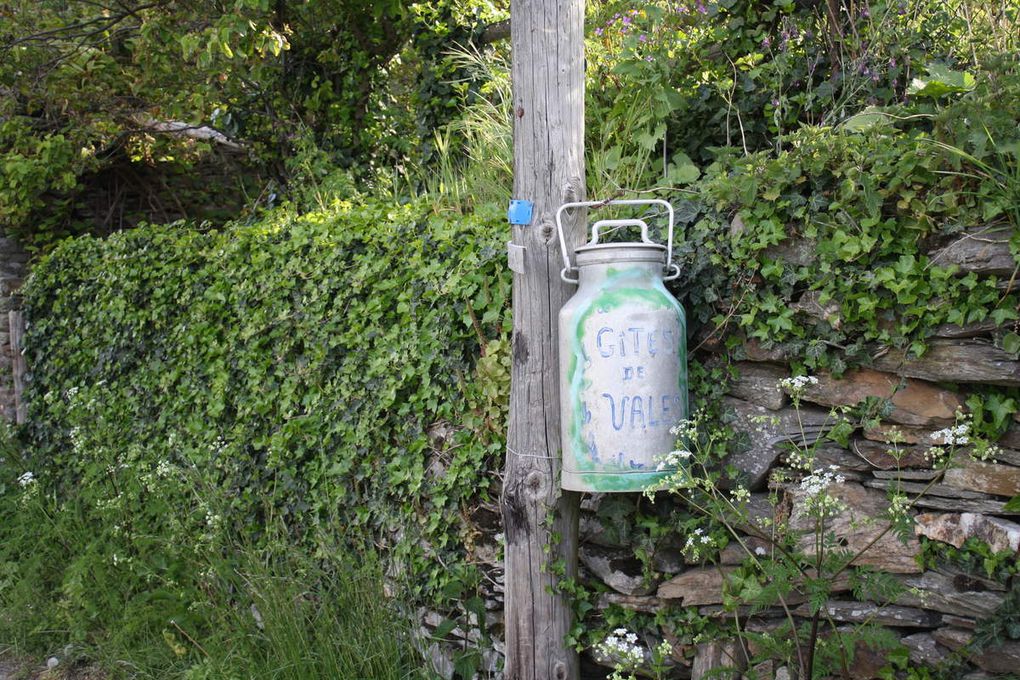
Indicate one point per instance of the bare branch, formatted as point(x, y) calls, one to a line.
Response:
point(199, 132)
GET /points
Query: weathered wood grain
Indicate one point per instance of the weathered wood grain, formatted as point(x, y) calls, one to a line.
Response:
point(548, 113)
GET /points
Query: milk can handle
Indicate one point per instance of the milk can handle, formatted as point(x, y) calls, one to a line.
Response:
point(618, 223)
point(672, 270)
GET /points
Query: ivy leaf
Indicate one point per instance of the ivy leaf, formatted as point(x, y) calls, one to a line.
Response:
point(1011, 343)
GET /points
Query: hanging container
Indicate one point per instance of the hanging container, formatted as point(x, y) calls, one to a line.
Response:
point(623, 358)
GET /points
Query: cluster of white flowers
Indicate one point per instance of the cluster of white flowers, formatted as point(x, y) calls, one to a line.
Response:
point(740, 494)
point(958, 435)
point(795, 386)
point(212, 520)
point(800, 459)
point(674, 460)
point(164, 469)
point(986, 452)
point(898, 505)
point(814, 486)
point(687, 428)
point(77, 440)
point(26, 479)
point(621, 646)
point(936, 455)
point(113, 503)
point(696, 543)
point(820, 480)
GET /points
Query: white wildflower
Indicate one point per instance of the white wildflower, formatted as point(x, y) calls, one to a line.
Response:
point(621, 647)
point(697, 541)
point(740, 494)
point(986, 452)
point(673, 460)
point(958, 435)
point(760, 551)
point(796, 386)
point(898, 505)
point(814, 487)
point(26, 479)
point(819, 481)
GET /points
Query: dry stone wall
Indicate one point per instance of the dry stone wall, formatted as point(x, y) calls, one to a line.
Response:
point(940, 610)
point(941, 607)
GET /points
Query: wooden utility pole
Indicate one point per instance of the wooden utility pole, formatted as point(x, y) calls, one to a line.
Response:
point(540, 520)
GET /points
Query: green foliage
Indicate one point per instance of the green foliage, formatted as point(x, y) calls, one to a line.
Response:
point(318, 372)
point(90, 87)
point(796, 560)
point(872, 206)
point(210, 608)
point(1003, 624)
point(974, 557)
point(747, 73)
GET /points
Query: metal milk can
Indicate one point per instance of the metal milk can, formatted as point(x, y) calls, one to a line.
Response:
point(623, 359)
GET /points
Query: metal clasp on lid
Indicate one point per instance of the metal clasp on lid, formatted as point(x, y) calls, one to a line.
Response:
point(672, 270)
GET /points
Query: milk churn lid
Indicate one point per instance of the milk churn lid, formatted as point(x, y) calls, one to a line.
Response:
point(604, 253)
point(594, 252)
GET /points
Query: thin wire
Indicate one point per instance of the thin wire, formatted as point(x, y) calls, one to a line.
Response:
point(530, 455)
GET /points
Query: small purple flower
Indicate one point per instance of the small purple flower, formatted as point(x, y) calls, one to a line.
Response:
point(892, 63)
point(598, 31)
point(642, 38)
point(765, 42)
point(700, 6)
point(865, 12)
point(775, 102)
point(626, 21)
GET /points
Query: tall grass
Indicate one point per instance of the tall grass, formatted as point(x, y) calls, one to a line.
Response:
point(148, 606)
point(297, 618)
point(474, 153)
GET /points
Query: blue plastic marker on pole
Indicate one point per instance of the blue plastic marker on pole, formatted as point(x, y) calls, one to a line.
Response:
point(520, 212)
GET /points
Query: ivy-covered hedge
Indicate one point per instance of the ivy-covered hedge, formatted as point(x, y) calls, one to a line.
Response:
point(340, 374)
point(846, 222)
